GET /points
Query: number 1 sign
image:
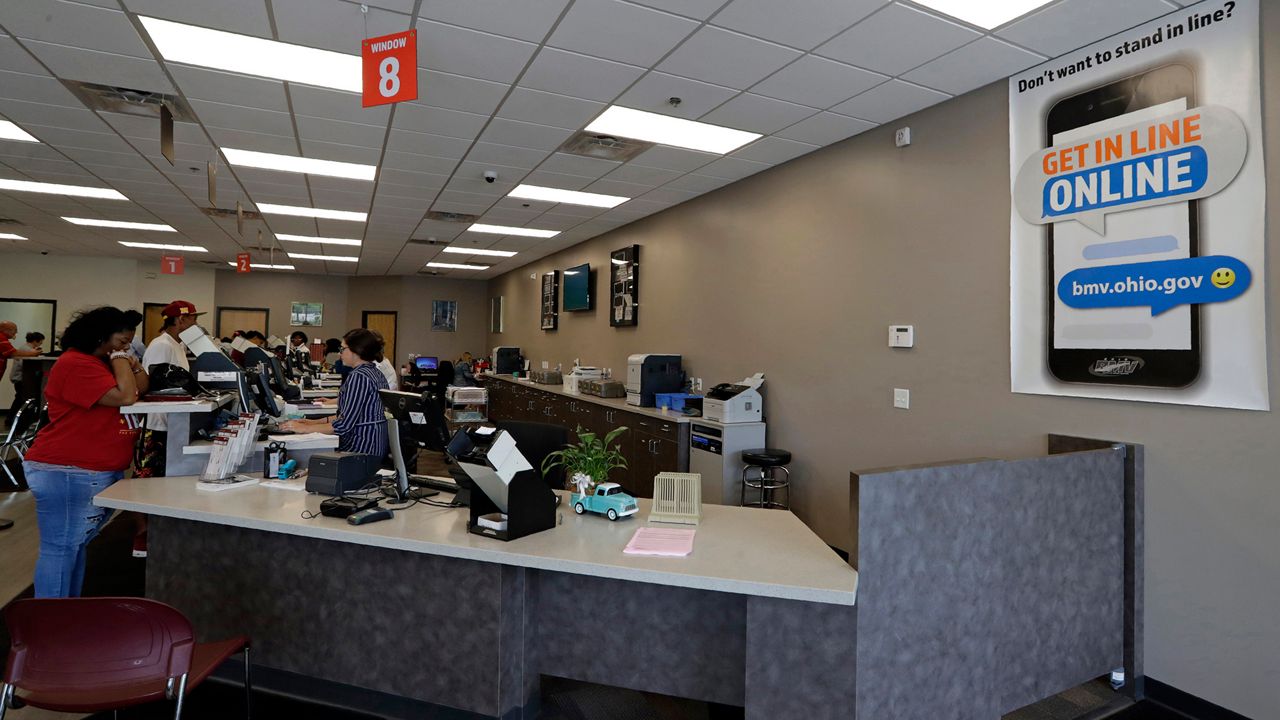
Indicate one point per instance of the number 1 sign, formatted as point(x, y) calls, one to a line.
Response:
point(390, 67)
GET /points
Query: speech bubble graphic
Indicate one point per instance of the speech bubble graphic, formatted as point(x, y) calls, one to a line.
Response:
point(1160, 284)
point(1169, 159)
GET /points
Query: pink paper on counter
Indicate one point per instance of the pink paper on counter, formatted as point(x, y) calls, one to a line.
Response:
point(660, 541)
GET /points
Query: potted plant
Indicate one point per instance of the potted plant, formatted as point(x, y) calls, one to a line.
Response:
point(588, 462)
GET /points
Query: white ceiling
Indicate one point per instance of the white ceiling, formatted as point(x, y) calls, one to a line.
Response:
point(502, 84)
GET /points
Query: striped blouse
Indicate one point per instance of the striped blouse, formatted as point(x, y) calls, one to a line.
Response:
point(361, 425)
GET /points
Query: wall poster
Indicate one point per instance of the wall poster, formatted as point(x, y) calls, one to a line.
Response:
point(444, 315)
point(304, 313)
point(1136, 242)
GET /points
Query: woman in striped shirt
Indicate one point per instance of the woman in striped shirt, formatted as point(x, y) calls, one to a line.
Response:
point(360, 424)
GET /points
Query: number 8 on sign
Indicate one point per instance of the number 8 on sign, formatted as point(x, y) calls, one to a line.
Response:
point(390, 68)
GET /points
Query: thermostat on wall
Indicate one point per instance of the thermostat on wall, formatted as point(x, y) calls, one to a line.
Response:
point(902, 336)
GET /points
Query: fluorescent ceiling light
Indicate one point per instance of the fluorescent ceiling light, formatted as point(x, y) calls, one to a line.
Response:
point(9, 131)
point(178, 42)
point(572, 197)
point(987, 14)
point(329, 258)
point(452, 266)
point(264, 266)
point(162, 246)
point(504, 230)
point(478, 251)
point(312, 212)
point(119, 225)
point(11, 236)
point(56, 189)
point(666, 130)
point(320, 240)
point(291, 163)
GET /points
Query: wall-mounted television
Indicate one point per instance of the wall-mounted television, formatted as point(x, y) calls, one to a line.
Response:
point(577, 287)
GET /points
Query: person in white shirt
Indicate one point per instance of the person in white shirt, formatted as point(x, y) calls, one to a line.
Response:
point(165, 348)
point(389, 372)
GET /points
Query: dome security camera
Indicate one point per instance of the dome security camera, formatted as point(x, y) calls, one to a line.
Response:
point(490, 176)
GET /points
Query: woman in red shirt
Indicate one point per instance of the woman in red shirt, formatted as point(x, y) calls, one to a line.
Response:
point(86, 446)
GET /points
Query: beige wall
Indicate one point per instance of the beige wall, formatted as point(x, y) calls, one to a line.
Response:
point(277, 291)
point(800, 270)
point(411, 297)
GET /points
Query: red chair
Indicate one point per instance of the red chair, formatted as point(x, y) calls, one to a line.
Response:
point(86, 655)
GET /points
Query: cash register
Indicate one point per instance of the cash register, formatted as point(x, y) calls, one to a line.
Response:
point(738, 402)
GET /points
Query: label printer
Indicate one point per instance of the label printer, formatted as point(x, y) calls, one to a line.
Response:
point(735, 402)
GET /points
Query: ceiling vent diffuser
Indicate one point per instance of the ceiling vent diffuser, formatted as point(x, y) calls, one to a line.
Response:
point(127, 101)
point(230, 213)
point(451, 216)
point(604, 147)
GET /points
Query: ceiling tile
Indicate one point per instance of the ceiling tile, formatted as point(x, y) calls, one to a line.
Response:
point(616, 187)
point(426, 144)
point(726, 58)
point(413, 162)
point(774, 150)
point(639, 175)
point(409, 184)
point(241, 117)
point(543, 108)
point(334, 25)
point(888, 102)
point(14, 58)
point(972, 66)
point(526, 158)
point(698, 9)
point(103, 68)
point(457, 92)
point(801, 24)
point(620, 31)
point(654, 91)
point(60, 137)
point(561, 181)
point(669, 158)
point(230, 88)
point(521, 134)
point(248, 17)
point(567, 73)
point(897, 39)
point(471, 53)
point(24, 113)
point(756, 113)
point(260, 142)
point(527, 20)
point(73, 24)
point(438, 121)
point(311, 128)
point(1065, 26)
point(825, 128)
point(817, 82)
point(335, 105)
point(731, 168)
point(577, 165)
point(37, 88)
point(340, 152)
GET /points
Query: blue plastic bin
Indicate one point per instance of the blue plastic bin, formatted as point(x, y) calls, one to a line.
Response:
point(672, 401)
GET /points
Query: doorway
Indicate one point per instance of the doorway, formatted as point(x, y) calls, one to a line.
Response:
point(384, 322)
point(30, 316)
point(152, 321)
point(231, 319)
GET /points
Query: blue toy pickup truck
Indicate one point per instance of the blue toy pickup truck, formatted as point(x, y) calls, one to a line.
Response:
point(608, 500)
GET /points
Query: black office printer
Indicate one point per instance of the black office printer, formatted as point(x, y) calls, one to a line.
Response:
point(649, 374)
point(507, 360)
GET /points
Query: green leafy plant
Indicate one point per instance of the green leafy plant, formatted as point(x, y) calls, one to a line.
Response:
point(592, 456)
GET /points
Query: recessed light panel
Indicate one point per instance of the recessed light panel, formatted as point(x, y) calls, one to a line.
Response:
point(312, 212)
point(326, 258)
point(308, 166)
point(120, 225)
point(572, 197)
point(9, 131)
point(318, 240)
point(162, 246)
point(478, 251)
point(178, 42)
point(504, 230)
point(453, 266)
point(264, 266)
point(987, 14)
point(56, 189)
point(666, 130)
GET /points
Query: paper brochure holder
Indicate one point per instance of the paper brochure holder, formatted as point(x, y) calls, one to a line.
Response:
point(505, 483)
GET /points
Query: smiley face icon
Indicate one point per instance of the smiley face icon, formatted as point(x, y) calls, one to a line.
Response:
point(1223, 278)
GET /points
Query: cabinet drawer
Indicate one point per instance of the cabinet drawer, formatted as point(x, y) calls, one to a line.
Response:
point(665, 429)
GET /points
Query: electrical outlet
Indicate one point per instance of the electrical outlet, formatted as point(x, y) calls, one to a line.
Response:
point(902, 137)
point(902, 398)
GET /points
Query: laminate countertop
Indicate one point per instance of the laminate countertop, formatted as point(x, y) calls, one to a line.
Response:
point(611, 403)
point(746, 551)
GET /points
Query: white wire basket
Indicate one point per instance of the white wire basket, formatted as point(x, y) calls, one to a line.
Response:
point(677, 498)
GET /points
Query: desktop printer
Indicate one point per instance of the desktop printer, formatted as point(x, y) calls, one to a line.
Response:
point(573, 381)
point(648, 374)
point(739, 402)
point(335, 473)
point(507, 360)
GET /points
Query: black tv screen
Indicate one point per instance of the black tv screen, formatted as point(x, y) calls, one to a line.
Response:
point(577, 287)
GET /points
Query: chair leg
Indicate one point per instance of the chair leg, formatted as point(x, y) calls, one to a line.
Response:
point(6, 694)
point(182, 694)
point(248, 687)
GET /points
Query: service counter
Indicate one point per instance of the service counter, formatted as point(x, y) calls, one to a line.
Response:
point(181, 417)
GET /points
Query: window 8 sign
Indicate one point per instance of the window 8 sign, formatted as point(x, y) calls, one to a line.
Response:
point(390, 68)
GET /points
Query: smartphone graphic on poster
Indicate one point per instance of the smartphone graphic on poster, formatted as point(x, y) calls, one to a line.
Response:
point(1126, 345)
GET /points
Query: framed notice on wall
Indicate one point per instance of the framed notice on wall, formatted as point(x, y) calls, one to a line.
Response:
point(303, 314)
point(624, 286)
point(495, 314)
point(550, 299)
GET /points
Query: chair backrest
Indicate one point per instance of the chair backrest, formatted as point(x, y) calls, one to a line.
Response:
point(21, 419)
point(536, 441)
point(38, 418)
point(87, 643)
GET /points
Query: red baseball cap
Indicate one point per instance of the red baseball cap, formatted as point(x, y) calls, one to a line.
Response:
point(179, 308)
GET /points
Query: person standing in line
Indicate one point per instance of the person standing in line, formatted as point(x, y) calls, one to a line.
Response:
point(34, 342)
point(86, 446)
point(165, 348)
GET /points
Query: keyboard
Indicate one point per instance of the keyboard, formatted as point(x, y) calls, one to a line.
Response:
point(434, 483)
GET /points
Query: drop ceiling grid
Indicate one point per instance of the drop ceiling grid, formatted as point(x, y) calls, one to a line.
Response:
point(547, 68)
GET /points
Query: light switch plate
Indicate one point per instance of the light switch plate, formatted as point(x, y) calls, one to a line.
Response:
point(902, 398)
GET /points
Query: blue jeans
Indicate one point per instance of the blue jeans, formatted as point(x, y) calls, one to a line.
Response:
point(68, 520)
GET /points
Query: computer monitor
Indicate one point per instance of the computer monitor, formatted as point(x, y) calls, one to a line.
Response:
point(425, 363)
point(428, 429)
point(263, 397)
point(270, 364)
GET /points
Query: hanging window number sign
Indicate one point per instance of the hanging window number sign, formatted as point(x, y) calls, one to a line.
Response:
point(390, 67)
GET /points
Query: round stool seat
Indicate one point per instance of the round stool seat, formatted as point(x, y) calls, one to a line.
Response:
point(766, 457)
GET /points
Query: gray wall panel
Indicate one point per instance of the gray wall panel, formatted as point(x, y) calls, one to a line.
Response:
point(801, 660)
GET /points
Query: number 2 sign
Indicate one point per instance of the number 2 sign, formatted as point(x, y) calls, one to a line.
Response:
point(390, 66)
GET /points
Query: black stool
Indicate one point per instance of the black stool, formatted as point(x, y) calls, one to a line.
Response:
point(767, 461)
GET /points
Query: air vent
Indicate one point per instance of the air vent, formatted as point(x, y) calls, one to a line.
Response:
point(451, 216)
point(230, 213)
point(604, 147)
point(9, 221)
point(427, 241)
point(127, 101)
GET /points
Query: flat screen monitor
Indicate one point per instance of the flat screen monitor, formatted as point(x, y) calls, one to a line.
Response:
point(426, 363)
point(577, 288)
point(263, 397)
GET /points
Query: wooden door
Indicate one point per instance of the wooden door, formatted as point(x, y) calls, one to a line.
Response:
point(152, 321)
point(383, 321)
point(231, 319)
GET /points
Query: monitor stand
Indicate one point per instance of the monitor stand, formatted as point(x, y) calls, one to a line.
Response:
point(414, 493)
